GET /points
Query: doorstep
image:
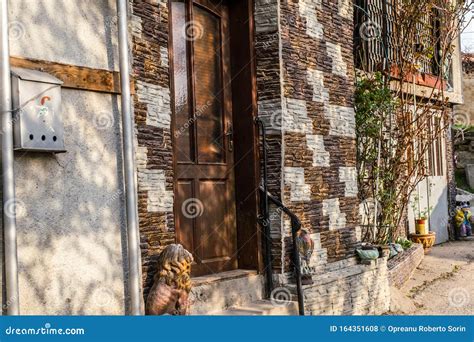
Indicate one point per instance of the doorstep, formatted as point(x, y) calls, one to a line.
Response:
point(222, 276)
point(221, 291)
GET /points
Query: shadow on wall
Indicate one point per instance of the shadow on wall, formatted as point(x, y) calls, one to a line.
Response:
point(72, 32)
point(70, 217)
point(70, 207)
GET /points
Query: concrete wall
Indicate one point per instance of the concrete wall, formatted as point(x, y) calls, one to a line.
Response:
point(71, 229)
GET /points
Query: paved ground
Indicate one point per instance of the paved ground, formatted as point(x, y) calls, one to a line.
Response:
point(443, 284)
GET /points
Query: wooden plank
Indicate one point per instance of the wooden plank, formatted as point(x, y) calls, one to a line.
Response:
point(75, 77)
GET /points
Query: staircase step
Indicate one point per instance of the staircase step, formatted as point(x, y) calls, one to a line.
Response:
point(222, 291)
point(261, 307)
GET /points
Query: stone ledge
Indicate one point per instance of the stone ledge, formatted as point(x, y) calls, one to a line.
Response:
point(402, 266)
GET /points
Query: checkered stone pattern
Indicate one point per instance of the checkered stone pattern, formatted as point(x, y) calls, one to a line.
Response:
point(317, 81)
point(305, 96)
point(152, 107)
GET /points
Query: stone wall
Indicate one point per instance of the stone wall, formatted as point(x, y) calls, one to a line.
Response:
point(402, 266)
point(348, 288)
point(304, 69)
point(305, 94)
point(308, 54)
point(318, 122)
point(149, 23)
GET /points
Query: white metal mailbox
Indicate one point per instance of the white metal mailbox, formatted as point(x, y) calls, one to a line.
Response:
point(37, 119)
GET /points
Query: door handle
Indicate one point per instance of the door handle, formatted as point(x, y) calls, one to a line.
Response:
point(230, 138)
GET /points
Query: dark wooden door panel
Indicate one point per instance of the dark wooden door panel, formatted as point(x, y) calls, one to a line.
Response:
point(204, 174)
point(184, 190)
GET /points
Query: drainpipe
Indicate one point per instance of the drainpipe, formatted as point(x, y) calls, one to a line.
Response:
point(129, 163)
point(8, 180)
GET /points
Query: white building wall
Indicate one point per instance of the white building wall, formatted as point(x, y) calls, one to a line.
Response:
point(433, 193)
point(71, 230)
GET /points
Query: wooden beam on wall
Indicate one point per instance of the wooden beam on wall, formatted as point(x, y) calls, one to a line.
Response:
point(75, 77)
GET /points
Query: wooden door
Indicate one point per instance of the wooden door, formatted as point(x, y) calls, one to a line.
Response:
point(203, 145)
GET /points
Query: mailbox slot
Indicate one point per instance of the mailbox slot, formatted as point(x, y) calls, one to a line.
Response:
point(37, 122)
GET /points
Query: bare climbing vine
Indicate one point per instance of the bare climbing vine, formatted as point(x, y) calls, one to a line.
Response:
point(402, 104)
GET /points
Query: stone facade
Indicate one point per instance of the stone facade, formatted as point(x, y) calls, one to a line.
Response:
point(348, 288)
point(312, 129)
point(152, 105)
point(304, 70)
point(402, 266)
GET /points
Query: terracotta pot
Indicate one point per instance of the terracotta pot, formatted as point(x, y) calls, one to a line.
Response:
point(427, 240)
point(421, 227)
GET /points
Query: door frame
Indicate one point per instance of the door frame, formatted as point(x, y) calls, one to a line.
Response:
point(246, 142)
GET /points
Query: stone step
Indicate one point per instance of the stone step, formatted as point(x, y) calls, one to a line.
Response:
point(262, 308)
point(218, 292)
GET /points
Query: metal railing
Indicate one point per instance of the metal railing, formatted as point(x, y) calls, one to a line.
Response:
point(265, 198)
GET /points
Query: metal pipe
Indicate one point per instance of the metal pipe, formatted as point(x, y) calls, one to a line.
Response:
point(129, 163)
point(8, 180)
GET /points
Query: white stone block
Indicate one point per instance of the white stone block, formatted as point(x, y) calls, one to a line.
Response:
point(154, 182)
point(339, 67)
point(348, 175)
point(295, 117)
point(299, 191)
point(164, 57)
point(315, 143)
point(346, 8)
point(342, 120)
point(337, 219)
point(316, 80)
point(158, 103)
point(307, 10)
point(271, 113)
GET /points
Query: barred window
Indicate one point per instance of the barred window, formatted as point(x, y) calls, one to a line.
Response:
point(375, 45)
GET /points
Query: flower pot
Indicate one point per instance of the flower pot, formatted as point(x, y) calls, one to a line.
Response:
point(421, 226)
point(427, 240)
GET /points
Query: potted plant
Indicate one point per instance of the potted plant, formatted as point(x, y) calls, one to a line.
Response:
point(421, 217)
point(422, 233)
